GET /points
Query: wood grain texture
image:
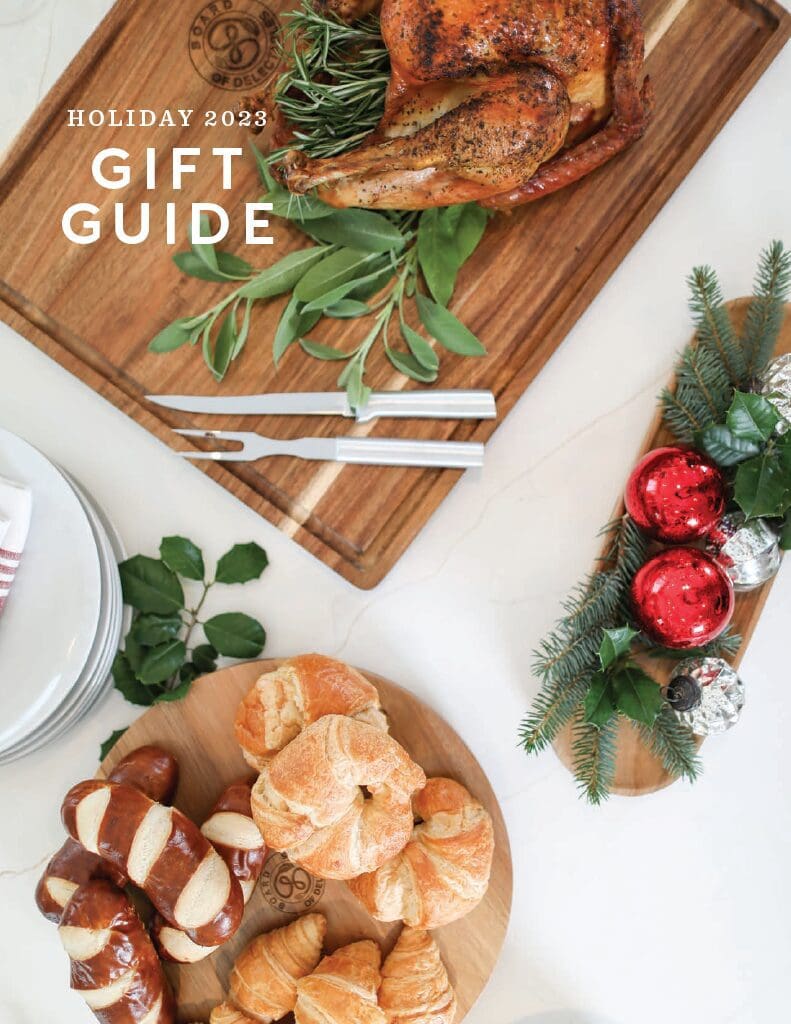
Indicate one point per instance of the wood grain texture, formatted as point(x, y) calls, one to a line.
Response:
point(95, 308)
point(638, 771)
point(199, 731)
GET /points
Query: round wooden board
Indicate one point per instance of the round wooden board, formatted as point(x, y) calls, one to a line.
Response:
point(638, 772)
point(199, 731)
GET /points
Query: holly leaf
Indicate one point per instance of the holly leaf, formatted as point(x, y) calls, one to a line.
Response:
point(785, 534)
point(204, 658)
point(244, 562)
point(599, 701)
point(150, 586)
point(110, 742)
point(763, 484)
point(615, 644)
point(752, 417)
point(135, 652)
point(183, 557)
point(637, 695)
point(150, 630)
point(725, 447)
point(188, 673)
point(127, 683)
point(162, 662)
point(177, 693)
point(235, 635)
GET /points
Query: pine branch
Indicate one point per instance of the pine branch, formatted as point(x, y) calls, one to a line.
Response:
point(726, 645)
point(715, 331)
point(552, 709)
point(702, 393)
point(594, 751)
point(674, 744)
point(765, 313)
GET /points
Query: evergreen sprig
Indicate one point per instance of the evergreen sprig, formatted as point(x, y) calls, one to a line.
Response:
point(765, 314)
point(593, 751)
point(674, 745)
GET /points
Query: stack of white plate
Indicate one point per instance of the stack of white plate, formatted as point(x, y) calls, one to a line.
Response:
point(63, 620)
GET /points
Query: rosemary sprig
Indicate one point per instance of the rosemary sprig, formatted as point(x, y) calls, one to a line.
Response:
point(333, 90)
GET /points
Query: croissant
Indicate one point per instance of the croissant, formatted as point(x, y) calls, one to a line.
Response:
point(342, 989)
point(227, 1014)
point(415, 986)
point(309, 799)
point(263, 982)
point(301, 691)
point(443, 872)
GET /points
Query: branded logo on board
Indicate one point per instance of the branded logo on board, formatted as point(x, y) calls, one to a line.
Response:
point(233, 44)
point(288, 888)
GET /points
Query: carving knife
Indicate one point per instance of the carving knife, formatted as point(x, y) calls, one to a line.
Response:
point(445, 405)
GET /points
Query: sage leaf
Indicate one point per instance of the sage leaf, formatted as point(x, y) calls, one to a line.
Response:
point(234, 266)
point(225, 347)
point(763, 484)
point(204, 658)
point(298, 209)
point(264, 170)
point(436, 254)
point(150, 630)
point(637, 695)
point(335, 269)
point(330, 298)
point(110, 742)
point(235, 635)
point(127, 683)
point(192, 265)
point(282, 276)
point(373, 282)
point(324, 352)
point(177, 693)
point(244, 330)
point(183, 557)
point(244, 562)
point(470, 230)
point(293, 322)
point(615, 644)
point(162, 661)
point(205, 250)
point(150, 586)
point(599, 704)
point(724, 447)
point(408, 365)
point(447, 329)
point(171, 337)
point(359, 229)
point(420, 348)
point(352, 379)
point(752, 417)
point(347, 309)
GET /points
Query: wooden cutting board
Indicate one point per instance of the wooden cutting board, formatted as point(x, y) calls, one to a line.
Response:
point(199, 731)
point(638, 771)
point(94, 308)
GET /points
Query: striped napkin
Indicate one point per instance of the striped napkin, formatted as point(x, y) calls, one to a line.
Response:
point(16, 503)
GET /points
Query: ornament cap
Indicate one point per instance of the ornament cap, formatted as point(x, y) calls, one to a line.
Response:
point(683, 693)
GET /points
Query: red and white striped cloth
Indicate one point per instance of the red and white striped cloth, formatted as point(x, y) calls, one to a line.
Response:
point(16, 503)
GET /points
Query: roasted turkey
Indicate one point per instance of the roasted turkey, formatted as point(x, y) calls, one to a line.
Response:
point(499, 101)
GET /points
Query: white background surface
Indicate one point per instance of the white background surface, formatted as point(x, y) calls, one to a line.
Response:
point(671, 908)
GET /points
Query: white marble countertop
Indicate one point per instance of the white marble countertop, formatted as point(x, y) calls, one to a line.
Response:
point(674, 907)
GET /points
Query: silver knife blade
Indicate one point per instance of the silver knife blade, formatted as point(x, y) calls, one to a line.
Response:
point(305, 403)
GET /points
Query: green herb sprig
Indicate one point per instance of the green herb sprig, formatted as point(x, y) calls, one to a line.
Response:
point(361, 264)
point(159, 660)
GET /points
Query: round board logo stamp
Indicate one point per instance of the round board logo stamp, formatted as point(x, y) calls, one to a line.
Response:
point(288, 888)
point(233, 44)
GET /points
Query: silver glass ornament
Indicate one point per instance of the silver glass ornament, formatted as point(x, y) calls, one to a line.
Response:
point(776, 386)
point(748, 550)
point(706, 694)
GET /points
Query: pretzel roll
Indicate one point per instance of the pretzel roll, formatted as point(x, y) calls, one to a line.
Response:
point(415, 985)
point(234, 835)
point(309, 800)
point(161, 851)
point(263, 982)
point(342, 989)
point(113, 963)
point(443, 872)
point(154, 772)
point(298, 693)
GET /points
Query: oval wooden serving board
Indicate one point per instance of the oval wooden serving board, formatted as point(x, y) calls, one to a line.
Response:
point(638, 771)
point(199, 731)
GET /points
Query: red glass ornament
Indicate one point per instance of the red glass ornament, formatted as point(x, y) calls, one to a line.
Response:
point(675, 494)
point(682, 598)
